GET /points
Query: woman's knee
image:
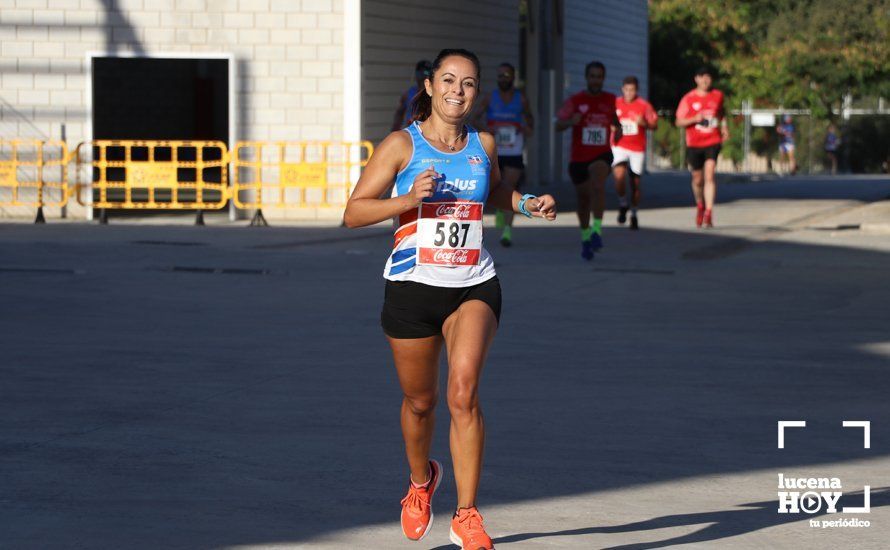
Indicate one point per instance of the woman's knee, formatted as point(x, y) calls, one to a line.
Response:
point(421, 404)
point(463, 397)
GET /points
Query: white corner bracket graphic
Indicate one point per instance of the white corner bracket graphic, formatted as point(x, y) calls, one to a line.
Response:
point(866, 430)
point(866, 503)
point(788, 424)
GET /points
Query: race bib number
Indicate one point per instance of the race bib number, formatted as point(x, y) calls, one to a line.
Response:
point(629, 128)
point(593, 135)
point(709, 124)
point(449, 233)
point(505, 136)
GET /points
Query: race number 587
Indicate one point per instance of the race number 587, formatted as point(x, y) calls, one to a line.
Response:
point(454, 234)
point(449, 233)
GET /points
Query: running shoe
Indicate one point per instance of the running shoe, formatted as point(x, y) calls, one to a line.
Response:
point(699, 215)
point(468, 532)
point(596, 241)
point(417, 506)
point(586, 250)
point(507, 237)
point(622, 215)
point(634, 224)
point(708, 219)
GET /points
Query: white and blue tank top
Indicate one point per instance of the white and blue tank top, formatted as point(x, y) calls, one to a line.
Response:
point(506, 120)
point(464, 180)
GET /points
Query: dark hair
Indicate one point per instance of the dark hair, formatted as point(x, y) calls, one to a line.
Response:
point(631, 80)
point(423, 65)
point(594, 64)
point(422, 104)
point(704, 69)
point(509, 66)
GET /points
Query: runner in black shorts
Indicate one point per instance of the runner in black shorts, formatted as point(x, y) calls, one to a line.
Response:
point(506, 114)
point(441, 289)
point(591, 116)
point(701, 112)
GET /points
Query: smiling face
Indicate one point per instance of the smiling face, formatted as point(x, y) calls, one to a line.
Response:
point(453, 88)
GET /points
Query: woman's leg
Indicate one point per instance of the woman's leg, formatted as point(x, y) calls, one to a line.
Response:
point(468, 332)
point(417, 365)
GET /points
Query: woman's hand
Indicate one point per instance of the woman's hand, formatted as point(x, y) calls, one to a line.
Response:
point(542, 207)
point(424, 186)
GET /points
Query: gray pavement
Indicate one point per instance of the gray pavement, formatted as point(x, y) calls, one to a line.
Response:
point(168, 386)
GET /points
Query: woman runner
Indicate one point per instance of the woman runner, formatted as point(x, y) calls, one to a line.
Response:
point(441, 286)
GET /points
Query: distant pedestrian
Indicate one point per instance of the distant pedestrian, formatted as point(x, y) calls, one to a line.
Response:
point(832, 144)
point(786, 142)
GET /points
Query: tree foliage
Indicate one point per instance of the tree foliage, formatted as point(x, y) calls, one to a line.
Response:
point(795, 53)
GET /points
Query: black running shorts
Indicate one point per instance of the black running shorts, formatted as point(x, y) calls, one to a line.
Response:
point(579, 172)
point(696, 156)
point(416, 310)
point(513, 161)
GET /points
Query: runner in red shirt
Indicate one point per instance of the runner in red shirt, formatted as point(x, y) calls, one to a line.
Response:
point(701, 113)
point(591, 116)
point(635, 115)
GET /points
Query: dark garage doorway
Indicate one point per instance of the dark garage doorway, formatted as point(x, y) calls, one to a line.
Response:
point(161, 98)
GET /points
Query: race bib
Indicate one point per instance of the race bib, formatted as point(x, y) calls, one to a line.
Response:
point(593, 135)
point(709, 124)
point(505, 136)
point(449, 233)
point(629, 127)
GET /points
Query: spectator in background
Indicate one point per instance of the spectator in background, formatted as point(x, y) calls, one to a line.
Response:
point(832, 144)
point(786, 142)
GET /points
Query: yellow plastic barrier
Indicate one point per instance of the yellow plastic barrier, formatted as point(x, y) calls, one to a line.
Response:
point(288, 174)
point(33, 173)
point(145, 174)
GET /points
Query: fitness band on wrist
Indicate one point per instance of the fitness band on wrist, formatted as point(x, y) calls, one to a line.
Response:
point(522, 209)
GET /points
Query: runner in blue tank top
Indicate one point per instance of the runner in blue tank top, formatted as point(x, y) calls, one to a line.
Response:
point(402, 116)
point(441, 288)
point(506, 114)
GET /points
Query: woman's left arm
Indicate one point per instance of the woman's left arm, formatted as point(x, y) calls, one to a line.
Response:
point(503, 197)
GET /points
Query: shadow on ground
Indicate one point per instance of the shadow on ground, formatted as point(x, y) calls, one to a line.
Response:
point(146, 406)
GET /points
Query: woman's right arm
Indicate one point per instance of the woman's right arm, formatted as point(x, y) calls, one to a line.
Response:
point(365, 207)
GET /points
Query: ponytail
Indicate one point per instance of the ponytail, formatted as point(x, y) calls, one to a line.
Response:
point(422, 103)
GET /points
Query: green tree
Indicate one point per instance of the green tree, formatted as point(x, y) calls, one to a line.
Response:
point(796, 53)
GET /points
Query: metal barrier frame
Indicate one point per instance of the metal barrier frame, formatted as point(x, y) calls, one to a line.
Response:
point(103, 185)
point(40, 162)
point(364, 149)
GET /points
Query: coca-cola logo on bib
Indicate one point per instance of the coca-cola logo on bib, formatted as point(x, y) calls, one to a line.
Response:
point(459, 256)
point(458, 211)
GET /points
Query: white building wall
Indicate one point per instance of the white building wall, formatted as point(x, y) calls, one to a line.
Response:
point(612, 31)
point(615, 32)
point(398, 33)
point(289, 57)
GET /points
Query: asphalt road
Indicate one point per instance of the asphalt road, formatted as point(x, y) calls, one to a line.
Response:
point(169, 386)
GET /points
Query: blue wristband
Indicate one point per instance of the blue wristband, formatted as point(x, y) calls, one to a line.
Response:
point(522, 209)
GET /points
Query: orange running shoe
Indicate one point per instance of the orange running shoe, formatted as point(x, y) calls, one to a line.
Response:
point(709, 219)
point(699, 214)
point(417, 506)
point(468, 532)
